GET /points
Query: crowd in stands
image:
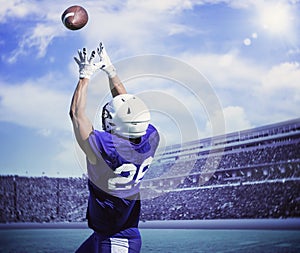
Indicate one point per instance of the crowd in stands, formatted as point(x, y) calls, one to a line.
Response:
point(226, 159)
point(257, 200)
point(42, 199)
point(257, 182)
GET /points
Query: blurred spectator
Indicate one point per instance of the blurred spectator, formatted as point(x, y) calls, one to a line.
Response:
point(259, 181)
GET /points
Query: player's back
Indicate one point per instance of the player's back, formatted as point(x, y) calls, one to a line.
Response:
point(121, 164)
point(114, 201)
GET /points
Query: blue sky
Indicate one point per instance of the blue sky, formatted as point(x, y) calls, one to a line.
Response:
point(249, 52)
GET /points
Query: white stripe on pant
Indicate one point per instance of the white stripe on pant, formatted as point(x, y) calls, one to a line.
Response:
point(119, 245)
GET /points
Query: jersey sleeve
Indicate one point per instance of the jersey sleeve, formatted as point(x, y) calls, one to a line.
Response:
point(153, 137)
point(95, 143)
point(101, 144)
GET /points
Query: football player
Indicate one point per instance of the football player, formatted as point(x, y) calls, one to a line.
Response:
point(117, 158)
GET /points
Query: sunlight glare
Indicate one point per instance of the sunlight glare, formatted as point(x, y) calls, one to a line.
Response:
point(277, 19)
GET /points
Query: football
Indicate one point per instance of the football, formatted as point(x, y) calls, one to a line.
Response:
point(75, 17)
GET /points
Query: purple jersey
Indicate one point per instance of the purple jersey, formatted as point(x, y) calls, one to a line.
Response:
point(114, 180)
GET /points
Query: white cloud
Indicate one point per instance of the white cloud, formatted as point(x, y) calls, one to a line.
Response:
point(181, 29)
point(277, 18)
point(70, 158)
point(38, 39)
point(136, 26)
point(284, 76)
point(16, 9)
point(161, 6)
point(33, 105)
point(41, 11)
point(279, 93)
point(122, 20)
point(235, 119)
point(266, 94)
point(226, 71)
point(35, 35)
point(293, 52)
point(247, 3)
point(116, 23)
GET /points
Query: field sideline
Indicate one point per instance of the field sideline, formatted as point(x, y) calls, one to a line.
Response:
point(263, 224)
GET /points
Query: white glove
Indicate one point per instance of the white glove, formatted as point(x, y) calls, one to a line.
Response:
point(86, 66)
point(107, 66)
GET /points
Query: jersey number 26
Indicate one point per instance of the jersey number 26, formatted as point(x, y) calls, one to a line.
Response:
point(121, 182)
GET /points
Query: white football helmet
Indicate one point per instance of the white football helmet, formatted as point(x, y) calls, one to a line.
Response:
point(126, 115)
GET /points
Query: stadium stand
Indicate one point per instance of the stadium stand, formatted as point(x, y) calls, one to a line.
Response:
point(253, 173)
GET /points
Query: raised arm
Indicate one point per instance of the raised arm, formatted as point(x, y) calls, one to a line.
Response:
point(115, 85)
point(81, 124)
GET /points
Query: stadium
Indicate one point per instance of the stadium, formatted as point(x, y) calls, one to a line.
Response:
point(252, 174)
point(256, 174)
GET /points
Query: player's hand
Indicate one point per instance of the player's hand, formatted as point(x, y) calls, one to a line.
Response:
point(107, 66)
point(86, 65)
